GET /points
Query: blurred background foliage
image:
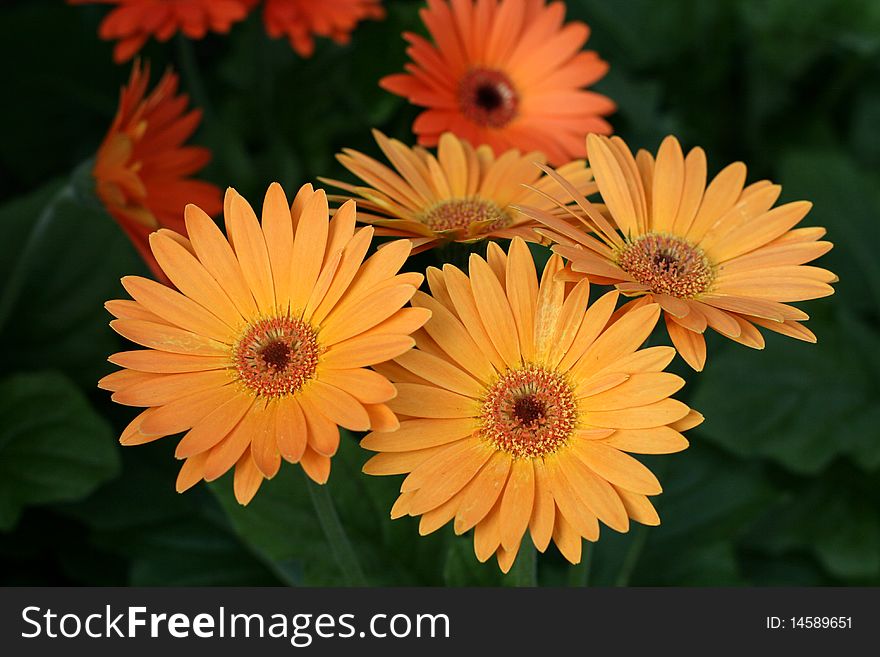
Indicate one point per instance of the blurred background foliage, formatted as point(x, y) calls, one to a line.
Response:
point(780, 485)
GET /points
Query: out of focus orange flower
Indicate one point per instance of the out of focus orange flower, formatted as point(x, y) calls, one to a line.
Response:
point(300, 20)
point(508, 74)
point(142, 166)
point(132, 22)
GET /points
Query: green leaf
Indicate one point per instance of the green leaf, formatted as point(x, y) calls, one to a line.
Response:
point(193, 552)
point(787, 570)
point(798, 404)
point(709, 501)
point(164, 538)
point(17, 219)
point(829, 519)
point(282, 526)
point(64, 265)
point(53, 446)
point(708, 495)
point(711, 564)
point(846, 202)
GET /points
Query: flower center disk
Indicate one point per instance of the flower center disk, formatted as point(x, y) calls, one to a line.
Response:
point(668, 265)
point(488, 97)
point(276, 356)
point(462, 213)
point(529, 412)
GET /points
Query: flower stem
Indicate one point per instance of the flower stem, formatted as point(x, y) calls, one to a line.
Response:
point(579, 573)
point(525, 568)
point(18, 275)
point(341, 547)
point(632, 556)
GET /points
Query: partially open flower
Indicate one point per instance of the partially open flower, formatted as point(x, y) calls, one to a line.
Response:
point(463, 194)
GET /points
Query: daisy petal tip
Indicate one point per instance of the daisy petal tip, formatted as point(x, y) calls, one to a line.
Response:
point(321, 480)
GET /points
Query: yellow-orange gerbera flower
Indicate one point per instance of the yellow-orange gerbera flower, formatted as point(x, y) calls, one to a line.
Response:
point(262, 352)
point(719, 255)
point(300, 20)
point(132, 22)
point(463, 195)
point(507, 74)
point(142, 167)
point(518, 406)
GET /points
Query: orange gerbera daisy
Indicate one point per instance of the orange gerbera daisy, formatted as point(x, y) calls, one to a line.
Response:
point(299, 20)
point(463, 195)
point(506, 74)
point(519, 404)
point(142, 165)
point(135, 21)
point(262, 352)
point(719, 256)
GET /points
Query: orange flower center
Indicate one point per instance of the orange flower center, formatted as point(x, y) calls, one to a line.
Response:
point(463, 213)
point(488, 97)
point(529, 412)
point(277, 356)
point(668, 265)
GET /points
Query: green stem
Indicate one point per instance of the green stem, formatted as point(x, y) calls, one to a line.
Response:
point(525, 568)
point(341, 547)
point(632, 556)
point(189, 66)
point(579, 573)
point(17, 277)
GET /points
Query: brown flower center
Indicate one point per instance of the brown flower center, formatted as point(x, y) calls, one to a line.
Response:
point(529, 412)
point(488, 97)
point(460, 214)
point(276, 356)
point(668, 265)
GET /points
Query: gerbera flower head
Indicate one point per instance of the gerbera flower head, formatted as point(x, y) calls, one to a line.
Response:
point(132, 22)
point(142, 166)
point(507, 74)
point(519, 405)
point(261, 352)
point(718, 256)
point(463, 194)
point(300, 20)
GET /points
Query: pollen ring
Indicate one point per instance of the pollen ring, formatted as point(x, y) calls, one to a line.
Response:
point(276, 356)
point(529, 412)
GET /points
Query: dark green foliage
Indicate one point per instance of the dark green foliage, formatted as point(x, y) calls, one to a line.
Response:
point(780, 485)
point(53, 446)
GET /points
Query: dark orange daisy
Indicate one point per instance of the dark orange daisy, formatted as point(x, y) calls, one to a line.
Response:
point(135, 21)
point(300, 20)
point(508, 74)
point(142, 167)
